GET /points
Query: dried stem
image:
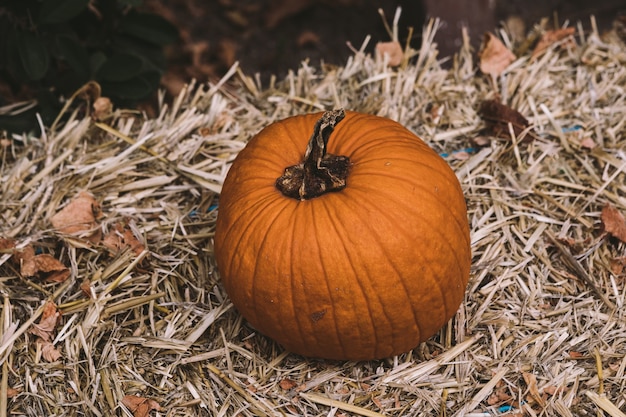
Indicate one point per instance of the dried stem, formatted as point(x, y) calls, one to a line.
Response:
point(319, 172)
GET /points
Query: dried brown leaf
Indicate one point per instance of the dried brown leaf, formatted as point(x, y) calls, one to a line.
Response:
point(79, 217)
point(6, 244)
point(122, 237)
point(618, 265)
point(43, 266)
point(613, 222)
point(49, 352)
point(51, 269)
point(48, 322)
point(533, 389)
point(102, 108)
point(500, 396)
point(140, 406)
point(494, 56)
point(287, 384)
point(551, 37)
point(393, 50)
point(497, 117)
point(26, 259)
point(85, 287)
point(587, 143)
point(554, 390)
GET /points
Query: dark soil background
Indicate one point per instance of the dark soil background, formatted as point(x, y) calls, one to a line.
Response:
point(272, 36)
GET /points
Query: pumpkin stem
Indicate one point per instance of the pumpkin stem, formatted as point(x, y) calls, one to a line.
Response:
point(319, 172)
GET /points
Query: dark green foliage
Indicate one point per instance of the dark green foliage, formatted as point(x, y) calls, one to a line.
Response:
point(49, 48)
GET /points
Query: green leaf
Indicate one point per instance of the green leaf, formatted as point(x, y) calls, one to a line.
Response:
point(33, 55)
point(74, 54)
point(133, 89)
point(150, 28)
point(96, 61)
point(152, 55)
point(120, 67)
point(59, 11)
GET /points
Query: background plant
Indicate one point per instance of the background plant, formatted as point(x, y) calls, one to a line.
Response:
point(49, 48)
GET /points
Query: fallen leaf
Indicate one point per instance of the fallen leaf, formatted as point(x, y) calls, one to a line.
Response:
point(494, 56)
point(79, 217)
point(393, 50)
point(51, 269)
point(554, 390)
point(531, 383)
point(122, 237)
point(435, 112)
point(500, 396)
point(44, 266)
point(12, 392)
point(460, 155)
point(587, 143)
point(551, 37)
point(613, 222)
point(576, 355)
point(25, 257)
point(102, 108)
point(287, 384)
point(85, 287)
point(497, 117)
point(49, 352)
point(618, 265)
point(481, 141)
point(47, 323)
point(6, 244)
point(140, 406)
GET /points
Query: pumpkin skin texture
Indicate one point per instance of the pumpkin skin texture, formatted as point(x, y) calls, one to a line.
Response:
point(363, 273)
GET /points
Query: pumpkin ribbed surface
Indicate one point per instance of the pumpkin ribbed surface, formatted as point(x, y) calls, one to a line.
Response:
point(362, 273)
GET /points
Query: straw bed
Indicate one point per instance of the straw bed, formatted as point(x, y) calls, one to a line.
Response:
point(542, 330)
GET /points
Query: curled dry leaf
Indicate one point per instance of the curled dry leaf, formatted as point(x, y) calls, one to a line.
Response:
point(554, 390)
point(85, 287)
point(122, 237)
point(500, 396)
point(140, 406)
point(576, 355)
point(587, 143)
point(618, 265)
point(79, 217)
point(51, 269)
point(6, 244)
point(551, 37)
point(12, 392)
point(497, 117)
point(102, 108)
point(48, 322)
point(44, 266)
point(287, 384)
point(48, 351)
point(613, 222)
point(533, 389)
point(494, 56)
point(393, 50)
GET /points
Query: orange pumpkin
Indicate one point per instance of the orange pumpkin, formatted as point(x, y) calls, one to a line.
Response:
point(359, 250)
